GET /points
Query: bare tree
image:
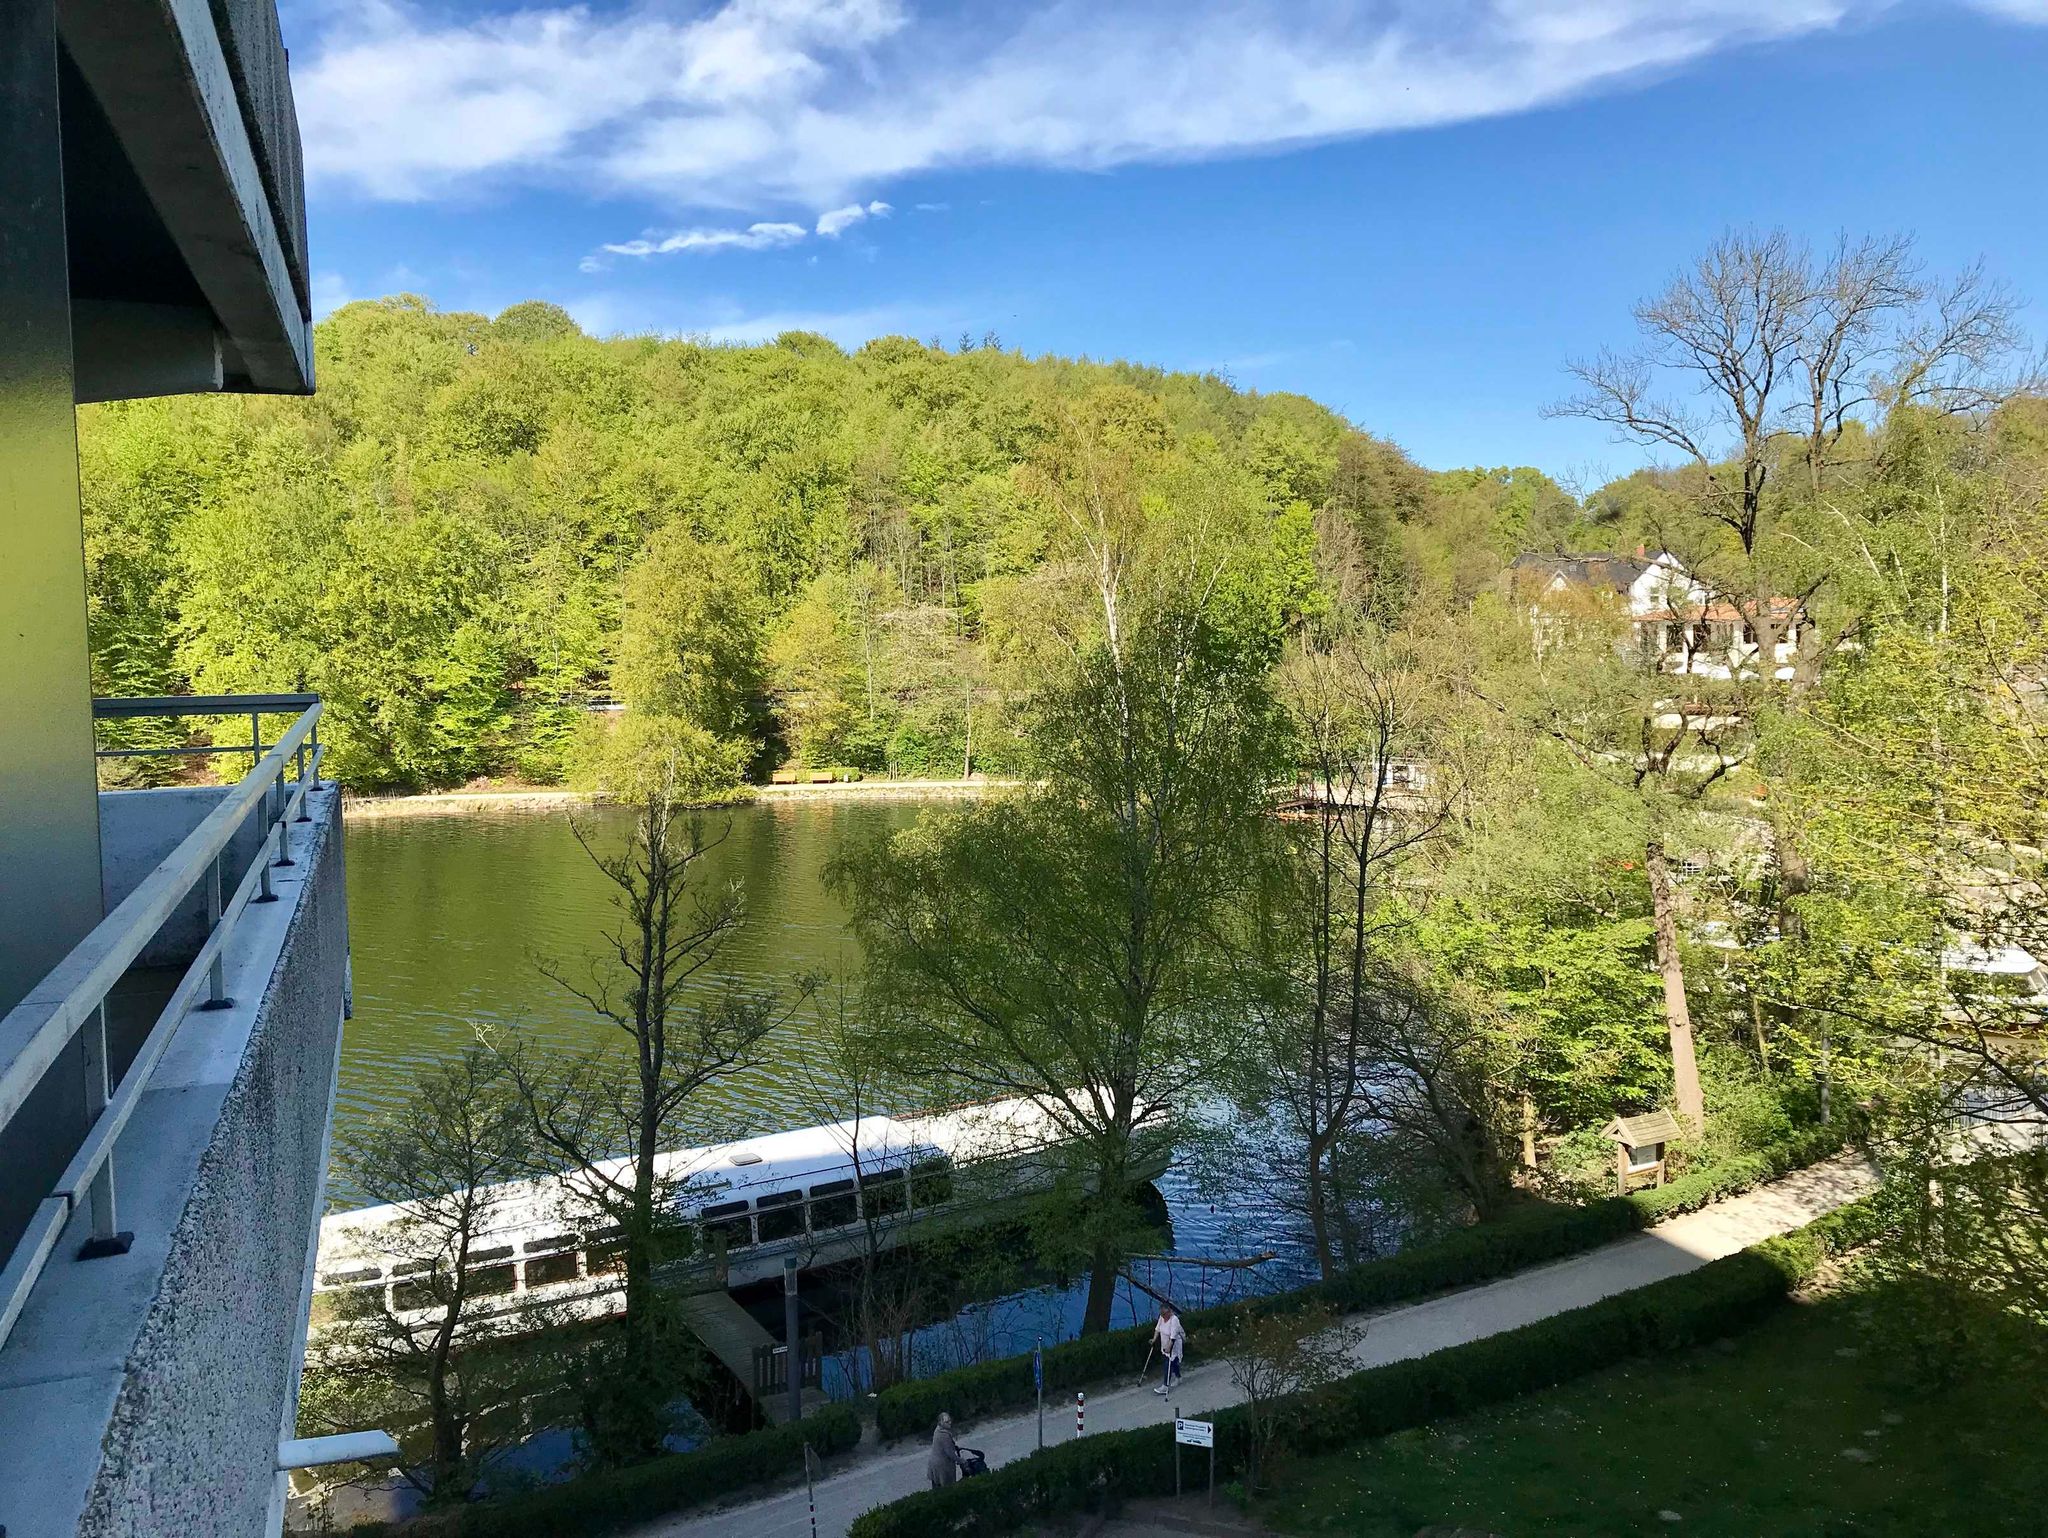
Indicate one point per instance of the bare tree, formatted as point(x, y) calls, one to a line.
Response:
point(841, 1082)
point(1377, 788)
point(431, 1352)
point(1773, 344)
point(610, 1120)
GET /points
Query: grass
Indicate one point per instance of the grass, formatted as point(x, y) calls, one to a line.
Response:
point(1810, 1426)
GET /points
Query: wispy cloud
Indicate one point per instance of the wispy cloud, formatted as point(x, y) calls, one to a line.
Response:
point(762, 236)
point(721, 322)
point(330, 293)
point(755, 237)
point(793, 103)
point(836, 221)
point(1264, 362)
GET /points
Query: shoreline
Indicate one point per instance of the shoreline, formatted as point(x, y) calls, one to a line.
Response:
point(449, 803)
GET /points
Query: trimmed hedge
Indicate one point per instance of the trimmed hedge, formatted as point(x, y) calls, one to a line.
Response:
point(602, 1503)
point(1481, 1253)
point(1718, 1299)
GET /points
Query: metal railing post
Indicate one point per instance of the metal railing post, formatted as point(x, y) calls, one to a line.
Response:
point(284, 799)
point(103, 1240)
point(217, 973)
point(264, 894)
point(255, 739)
point(305, 811)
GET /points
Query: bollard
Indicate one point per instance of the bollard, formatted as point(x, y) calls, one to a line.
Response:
point(1080, 1412)
point(810, 1492)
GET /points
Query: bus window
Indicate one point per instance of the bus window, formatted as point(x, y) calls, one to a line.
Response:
point(414, 1287)
point(884, 1192)
point(490, 1272)
point(606, 1251)
point(782, 1215)
point(931, 1182)
point(552, 1260)
point(358, 1302)
point(832, 1205)
point(729, 1220)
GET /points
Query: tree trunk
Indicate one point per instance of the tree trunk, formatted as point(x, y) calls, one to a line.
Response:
point(1528, 1132)
point(447, 1455)
point(1319, 1208)
point(1685, 1073)
point(1101, 1291)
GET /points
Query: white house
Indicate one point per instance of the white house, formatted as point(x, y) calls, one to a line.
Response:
point(1671, 615)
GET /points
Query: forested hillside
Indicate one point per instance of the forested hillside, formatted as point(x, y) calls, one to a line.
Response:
point(480, 529)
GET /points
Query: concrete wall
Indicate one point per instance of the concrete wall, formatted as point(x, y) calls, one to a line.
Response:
point(145, 1393)
point(48, 822)
point(138, 828)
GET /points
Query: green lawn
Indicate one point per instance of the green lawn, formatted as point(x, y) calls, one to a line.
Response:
point(1808, 1427)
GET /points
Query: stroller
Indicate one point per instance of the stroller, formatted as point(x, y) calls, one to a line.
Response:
point(972, 1462)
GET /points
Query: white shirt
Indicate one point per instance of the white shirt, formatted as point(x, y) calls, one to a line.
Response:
point(1171, 1336)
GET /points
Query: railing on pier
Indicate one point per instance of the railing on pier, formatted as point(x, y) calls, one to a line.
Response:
point(771, 1368)
point(71, 1002)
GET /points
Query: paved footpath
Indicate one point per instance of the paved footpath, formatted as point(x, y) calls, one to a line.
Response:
point(873, 1474)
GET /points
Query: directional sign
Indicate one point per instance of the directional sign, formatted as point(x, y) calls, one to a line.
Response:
point(1038, 1367)
point(1195, 1433)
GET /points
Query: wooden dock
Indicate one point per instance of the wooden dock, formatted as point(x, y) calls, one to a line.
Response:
point(733, 1335)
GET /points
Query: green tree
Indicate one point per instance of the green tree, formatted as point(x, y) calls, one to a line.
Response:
point(690, 644)
point(1057, 943)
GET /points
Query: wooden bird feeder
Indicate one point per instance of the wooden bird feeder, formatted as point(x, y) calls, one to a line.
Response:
point(1639, 1148)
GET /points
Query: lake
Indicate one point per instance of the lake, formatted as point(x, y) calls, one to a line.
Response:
point(452, 917)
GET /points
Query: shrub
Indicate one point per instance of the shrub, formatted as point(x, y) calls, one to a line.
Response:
point(1682, 1311)
point(1529, 1236)
point(603, 1503)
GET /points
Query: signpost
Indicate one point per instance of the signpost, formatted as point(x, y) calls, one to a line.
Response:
point(796, 1360)
point(1194, 1434)
point(1037, 1382)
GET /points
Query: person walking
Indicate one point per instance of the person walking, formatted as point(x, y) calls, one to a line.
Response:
point(1169, 1336)
point(942, 1467)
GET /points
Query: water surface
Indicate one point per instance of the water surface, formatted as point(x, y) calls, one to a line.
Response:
point(453, 916)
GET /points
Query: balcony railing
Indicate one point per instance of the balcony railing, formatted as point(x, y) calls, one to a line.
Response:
point(72, 1000)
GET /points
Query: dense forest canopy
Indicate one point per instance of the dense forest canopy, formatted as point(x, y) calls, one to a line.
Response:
point(480, 529)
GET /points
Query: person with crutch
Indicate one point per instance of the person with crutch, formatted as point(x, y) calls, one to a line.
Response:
point(1169, 1338)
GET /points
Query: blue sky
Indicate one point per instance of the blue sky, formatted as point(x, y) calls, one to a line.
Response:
point(1412, 210)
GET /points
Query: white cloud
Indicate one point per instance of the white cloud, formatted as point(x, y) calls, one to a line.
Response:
point(933, 208)
point(762, 236)
point(835, 221)
point(799, 102)
point(755, 237)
